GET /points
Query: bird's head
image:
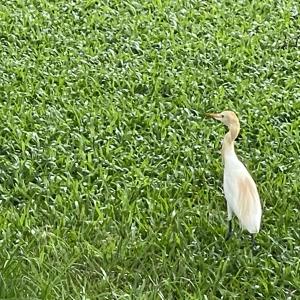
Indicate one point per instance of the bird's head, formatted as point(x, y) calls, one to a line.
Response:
point(227, 117)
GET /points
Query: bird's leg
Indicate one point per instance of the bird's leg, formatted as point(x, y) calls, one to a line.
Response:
point(230, 231)
point(253, 241)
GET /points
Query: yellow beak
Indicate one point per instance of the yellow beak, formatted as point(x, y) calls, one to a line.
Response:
point(214, 115)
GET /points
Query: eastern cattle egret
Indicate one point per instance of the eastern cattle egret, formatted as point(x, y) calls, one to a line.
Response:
point(239, 188)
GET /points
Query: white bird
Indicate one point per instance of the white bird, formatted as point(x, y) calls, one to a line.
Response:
point(239, 188)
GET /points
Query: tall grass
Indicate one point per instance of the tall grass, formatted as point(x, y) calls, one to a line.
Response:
point(110, 176)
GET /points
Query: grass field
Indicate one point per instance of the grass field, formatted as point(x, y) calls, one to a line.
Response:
point(111, 177)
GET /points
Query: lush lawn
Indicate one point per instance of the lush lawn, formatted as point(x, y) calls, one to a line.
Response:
point(111, 177)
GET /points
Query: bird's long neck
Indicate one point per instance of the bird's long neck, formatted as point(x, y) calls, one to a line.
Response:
point(228, 143)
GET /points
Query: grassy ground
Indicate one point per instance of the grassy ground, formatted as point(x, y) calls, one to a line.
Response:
point(110, 176)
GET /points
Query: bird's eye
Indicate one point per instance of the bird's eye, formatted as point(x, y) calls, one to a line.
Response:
point(222, 115)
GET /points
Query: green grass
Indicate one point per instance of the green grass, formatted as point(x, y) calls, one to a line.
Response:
point(111, 177)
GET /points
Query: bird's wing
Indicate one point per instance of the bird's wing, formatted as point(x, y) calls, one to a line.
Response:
point(249, 207)
point(241, 194)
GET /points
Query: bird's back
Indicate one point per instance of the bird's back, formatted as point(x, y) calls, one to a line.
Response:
point(242, 195)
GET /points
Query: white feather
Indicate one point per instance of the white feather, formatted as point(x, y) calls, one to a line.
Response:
point(241, 193)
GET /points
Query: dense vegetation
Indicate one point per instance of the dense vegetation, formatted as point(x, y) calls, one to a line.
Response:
point(111, 177)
